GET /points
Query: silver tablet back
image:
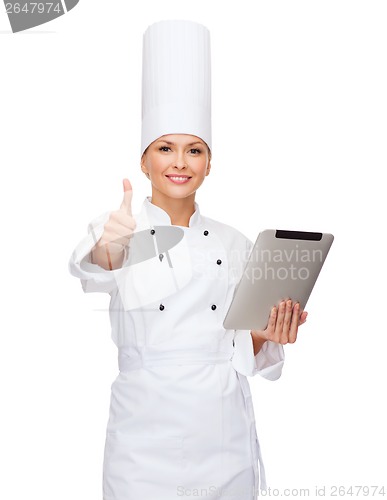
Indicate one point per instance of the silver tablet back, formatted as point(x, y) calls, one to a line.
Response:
point(282, 265)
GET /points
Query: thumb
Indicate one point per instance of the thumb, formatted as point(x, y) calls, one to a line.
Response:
point(128, 194)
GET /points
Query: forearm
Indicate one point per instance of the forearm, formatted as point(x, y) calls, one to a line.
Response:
point(111, 261)
point(257, 342)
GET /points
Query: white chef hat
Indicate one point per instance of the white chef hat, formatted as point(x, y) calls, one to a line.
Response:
point(176, 81)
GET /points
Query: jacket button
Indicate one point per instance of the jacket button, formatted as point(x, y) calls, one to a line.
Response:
point(218, 262)
point(213, 307)
point(205, 232)
point(233, 342)
point(152, 231)
point(161, 307)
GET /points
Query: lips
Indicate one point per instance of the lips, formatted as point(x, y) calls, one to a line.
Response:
point(178, 179)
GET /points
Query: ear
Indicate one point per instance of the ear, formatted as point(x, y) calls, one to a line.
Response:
point(208, 167)
point(143, 167)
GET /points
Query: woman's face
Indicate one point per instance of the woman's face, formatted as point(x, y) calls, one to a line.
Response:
point(177, 164)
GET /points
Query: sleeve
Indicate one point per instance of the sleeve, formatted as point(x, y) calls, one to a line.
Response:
point(93, 278)
point(268, 362)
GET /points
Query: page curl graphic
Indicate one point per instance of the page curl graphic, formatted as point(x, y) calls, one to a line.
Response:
point(24, 14)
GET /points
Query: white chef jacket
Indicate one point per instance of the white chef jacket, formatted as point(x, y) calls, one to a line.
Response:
point(181, 413)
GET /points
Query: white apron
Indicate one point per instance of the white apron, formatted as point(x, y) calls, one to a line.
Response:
point(181, 415)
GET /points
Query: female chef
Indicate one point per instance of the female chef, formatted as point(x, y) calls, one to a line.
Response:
point(181, 419)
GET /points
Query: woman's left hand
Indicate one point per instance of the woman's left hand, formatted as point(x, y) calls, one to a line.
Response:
point(283, 324)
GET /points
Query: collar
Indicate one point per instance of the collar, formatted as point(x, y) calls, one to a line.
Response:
point(158, 216)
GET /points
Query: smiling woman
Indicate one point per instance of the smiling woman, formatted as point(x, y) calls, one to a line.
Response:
point(176, 166)
point(181, 415)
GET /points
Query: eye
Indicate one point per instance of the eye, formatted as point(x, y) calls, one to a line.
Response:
point(195, 151)
point(163, 148)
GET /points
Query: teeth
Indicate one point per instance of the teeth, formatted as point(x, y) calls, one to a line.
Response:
point(179, 178)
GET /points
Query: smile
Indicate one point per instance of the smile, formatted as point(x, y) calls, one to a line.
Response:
point(178, 179)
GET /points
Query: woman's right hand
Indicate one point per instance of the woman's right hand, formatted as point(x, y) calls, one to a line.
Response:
point(109, 249)
point(121, 224)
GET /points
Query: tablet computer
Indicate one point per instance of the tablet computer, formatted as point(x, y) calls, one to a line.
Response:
point(282, 265)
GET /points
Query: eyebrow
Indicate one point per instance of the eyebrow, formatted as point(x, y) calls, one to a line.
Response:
point(173, 144)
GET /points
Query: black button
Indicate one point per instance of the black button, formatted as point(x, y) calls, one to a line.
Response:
point(213, 307)
point(153, 231)
point(161, 307)
point(218, 262)
point(205, 232)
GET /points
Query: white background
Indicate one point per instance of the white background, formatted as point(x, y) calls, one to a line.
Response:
point(299, 142)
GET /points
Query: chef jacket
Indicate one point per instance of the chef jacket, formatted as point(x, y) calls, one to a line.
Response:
point(168, 305)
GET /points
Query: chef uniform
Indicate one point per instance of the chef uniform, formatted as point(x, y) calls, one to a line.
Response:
point(181, 417)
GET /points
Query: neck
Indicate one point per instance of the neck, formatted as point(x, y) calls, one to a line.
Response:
point(178, 209)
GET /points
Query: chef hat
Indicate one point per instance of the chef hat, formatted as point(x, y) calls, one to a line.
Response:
point(176, 81)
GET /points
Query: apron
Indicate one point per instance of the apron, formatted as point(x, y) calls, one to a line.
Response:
point(138, 464)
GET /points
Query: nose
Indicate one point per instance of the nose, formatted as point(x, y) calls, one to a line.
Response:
point(180, 161)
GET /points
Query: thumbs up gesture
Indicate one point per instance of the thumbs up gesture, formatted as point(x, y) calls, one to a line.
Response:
point(109, 250)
